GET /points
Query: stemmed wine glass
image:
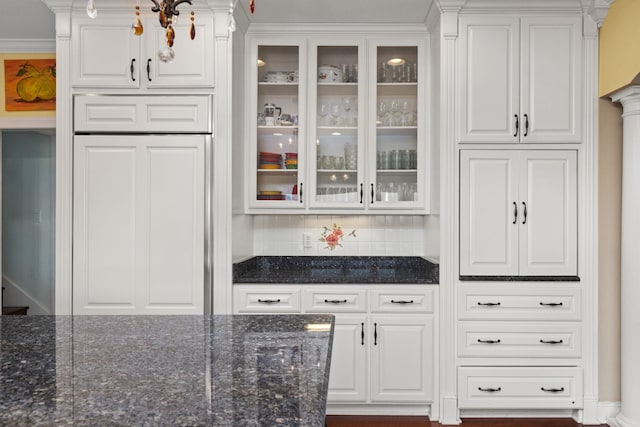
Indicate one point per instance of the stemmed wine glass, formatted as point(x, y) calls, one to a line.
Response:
point(335, 113)
point(347, 104)
point(323, 110)
point(383, 113)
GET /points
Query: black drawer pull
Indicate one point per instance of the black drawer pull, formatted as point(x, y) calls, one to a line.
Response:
point(490, 390)
point(335, 301)
point(552, 390)
point(401, 302)
point(362, 333)
point(375, 334)
point(488, 341)
point(551, 304)
point(269, 301)
point(489, 304)
point(551, 342)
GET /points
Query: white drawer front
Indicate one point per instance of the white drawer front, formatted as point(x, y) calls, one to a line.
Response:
point(186, 114)
point(402, 301)
point(348, 300)
point(519, 340)
point(519, 387)
point(266, 299)
point(520, 302)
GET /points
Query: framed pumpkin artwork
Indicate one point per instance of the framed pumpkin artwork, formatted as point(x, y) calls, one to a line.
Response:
point(30, 84)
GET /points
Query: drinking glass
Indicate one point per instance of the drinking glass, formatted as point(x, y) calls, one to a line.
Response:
point(335, 114)
point(347, 105)
point(383, 114)
point(323, 110)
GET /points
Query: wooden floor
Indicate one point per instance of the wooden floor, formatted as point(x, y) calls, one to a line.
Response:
point(374, 421)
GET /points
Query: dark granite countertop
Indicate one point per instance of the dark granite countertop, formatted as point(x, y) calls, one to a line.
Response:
point(164, 370)
point(335, 269)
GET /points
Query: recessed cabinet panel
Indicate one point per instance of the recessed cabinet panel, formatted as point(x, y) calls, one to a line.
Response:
point(348, 377)
point(488, 213)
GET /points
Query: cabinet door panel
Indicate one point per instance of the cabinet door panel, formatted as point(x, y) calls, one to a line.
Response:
point(488, 233)
point(104, 227)
point(174, 242)
point(193, 65)
point(551, 82)
point(489, 84)
point(401, 359)
point(347, 380)
point(548, 237)
point(105, 53)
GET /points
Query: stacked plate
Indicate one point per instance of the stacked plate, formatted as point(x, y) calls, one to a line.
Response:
point(291, 160)
point(270, 160)
point(270, 195)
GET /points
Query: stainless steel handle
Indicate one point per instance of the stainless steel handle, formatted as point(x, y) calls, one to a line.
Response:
point(401, 302)
point(335, 301)
point(131, 68)
point(269, 301)
point(517, 125)
point(490, 389)
point(515, 212)
point(524, 213)
point(489, 304)
point(488, 341)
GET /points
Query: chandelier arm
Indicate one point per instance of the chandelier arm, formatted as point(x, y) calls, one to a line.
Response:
point(156, 7)
point(176, 4)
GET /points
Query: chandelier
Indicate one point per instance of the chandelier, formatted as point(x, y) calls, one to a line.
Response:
point(167, 16)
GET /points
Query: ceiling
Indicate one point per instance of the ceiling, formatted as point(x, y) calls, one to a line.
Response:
point(337, 11)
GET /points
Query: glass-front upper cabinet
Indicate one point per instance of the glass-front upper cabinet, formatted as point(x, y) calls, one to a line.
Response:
point(277, 133)
point(336, 121)
point(397, 126)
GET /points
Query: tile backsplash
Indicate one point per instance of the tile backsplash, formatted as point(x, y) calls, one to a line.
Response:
point(374, 235)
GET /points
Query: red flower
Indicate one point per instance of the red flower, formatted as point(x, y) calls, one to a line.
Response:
point(337, 232)
point(331, 239)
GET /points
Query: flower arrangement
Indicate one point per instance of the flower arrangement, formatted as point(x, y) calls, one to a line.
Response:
point(333, 236)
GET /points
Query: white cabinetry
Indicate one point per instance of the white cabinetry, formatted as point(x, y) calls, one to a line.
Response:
point(520, 78)
point(356, 140)
point(518, 213)
point(383, 345)
point(138, 224)
point(106, 53)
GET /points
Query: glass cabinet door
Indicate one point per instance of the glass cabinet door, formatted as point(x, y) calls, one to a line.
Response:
point(397, 129)
point(336, 120)
point(278, 149)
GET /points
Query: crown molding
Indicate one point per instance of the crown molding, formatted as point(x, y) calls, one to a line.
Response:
point(27, 45)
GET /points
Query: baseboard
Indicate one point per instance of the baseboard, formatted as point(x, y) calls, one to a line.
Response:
point(607, 410)
point(516, 413)
point(621, 421)
point(15, 295)
point(377, 409)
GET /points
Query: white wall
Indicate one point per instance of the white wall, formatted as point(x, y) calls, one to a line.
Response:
point(28, 220)
point(26, 19)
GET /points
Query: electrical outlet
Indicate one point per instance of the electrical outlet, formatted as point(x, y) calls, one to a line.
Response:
point(306, 240)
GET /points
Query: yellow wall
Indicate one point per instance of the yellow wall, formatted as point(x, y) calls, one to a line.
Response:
point(3, 112)
point(619, 46)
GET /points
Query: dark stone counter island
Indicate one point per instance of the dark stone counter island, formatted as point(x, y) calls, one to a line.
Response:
point(164, 370)
point(336, 270)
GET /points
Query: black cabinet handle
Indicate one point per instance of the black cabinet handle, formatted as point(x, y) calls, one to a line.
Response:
point(401, 302)
point(524, 213)
point(133, 60)
point(335, 301)
point(515, 212)
point(490, 389)
point(552, 390)
point(551, 304)
point(551, 341)
point(526, 125)
point(269, 301)
point(362, 333)
point(375, 334)
point(361, 192)
point(489, 304)
point(300, 193)
point(372, 193)
point(488, 341)
point(517, 125)
point(149, 69)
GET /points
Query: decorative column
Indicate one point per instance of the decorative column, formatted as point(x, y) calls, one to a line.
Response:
point(629, 415)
